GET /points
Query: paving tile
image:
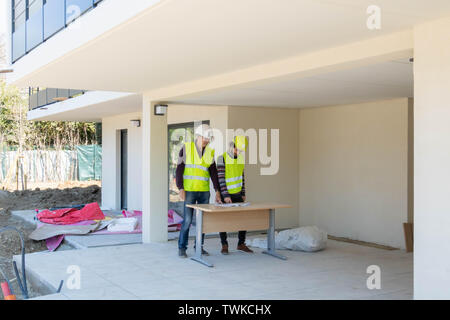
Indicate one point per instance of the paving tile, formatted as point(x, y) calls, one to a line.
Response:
point(155, 289)
point(56, 296)
point(101, 293)
point(154, 271)
point(397, 295)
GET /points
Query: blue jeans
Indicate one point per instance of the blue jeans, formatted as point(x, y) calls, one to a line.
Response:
point(191, 198)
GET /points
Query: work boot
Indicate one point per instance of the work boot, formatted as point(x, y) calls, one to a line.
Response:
point(224, 249)
point(182, 253)
point(204, 252)
point(244, 248)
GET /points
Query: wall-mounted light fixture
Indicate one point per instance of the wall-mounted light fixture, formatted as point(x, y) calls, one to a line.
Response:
point(136, 123)
point(160, 109)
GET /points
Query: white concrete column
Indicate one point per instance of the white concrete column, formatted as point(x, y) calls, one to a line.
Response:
point(154, 174)
point(432, 160)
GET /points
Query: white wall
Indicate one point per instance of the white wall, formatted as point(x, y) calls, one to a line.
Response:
point(111, 161)
point(283, 186)
point(353, 170)
point(432, 160)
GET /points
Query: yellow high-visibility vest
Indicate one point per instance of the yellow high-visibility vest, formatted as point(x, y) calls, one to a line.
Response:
point(196, 171)
point(234, 170)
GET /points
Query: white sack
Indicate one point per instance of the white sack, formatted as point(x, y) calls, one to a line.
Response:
point(123, 225)
point(309, 239)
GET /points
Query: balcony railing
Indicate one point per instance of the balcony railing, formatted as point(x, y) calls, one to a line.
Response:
point(49, 19)
point(39, 98)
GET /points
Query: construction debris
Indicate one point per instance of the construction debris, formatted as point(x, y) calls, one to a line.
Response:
point(123, 225)
point(70, 216)
point(46, 231)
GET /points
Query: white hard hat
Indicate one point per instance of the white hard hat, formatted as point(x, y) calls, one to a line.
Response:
point(204, 131)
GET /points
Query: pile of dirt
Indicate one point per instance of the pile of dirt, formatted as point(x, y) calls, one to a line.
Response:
point(44, 199)
point(10, 244)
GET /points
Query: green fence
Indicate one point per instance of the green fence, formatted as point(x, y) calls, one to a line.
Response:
point(83, 164)
point(89, 162)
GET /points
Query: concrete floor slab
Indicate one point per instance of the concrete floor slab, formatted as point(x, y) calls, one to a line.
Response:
point(154, 271)
point(56, 296)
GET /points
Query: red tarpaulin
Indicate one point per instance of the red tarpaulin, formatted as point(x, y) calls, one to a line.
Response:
point(70, 216)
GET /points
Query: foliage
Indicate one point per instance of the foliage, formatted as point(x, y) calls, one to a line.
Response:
point(17, 131)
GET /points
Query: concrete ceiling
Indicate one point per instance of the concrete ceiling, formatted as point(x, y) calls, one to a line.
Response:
point(382, 81)
point(90, 107)
point(180, 41)
point(388, 80)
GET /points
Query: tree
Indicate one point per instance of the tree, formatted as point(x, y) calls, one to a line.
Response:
point(17, 132)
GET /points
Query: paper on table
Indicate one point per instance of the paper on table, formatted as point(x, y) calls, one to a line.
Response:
point(229, 205)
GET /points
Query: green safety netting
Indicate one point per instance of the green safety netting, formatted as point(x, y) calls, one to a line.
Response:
point(89, 162)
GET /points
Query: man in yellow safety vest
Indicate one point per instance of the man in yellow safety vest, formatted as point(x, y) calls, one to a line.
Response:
point(230, 167)
point(196, 165)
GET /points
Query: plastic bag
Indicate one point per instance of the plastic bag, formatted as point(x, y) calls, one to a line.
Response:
point(309, 239)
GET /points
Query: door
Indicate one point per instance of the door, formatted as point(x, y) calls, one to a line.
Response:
point(124, 169)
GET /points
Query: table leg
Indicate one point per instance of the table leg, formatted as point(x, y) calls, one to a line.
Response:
point(198, 241)
point(271, 237)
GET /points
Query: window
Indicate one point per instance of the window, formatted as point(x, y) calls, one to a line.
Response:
point(19, 13)
point(34, 6)
point(34, 21)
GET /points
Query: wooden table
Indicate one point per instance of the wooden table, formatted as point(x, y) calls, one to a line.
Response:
point(256, 216)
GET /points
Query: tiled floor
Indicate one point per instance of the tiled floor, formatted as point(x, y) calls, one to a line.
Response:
point(154, 271)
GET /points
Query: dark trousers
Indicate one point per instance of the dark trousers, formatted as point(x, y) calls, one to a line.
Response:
point(191, 198)
point(241, 235)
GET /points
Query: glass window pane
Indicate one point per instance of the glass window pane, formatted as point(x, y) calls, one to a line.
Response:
point(18, 42)
point(20, 20)
point(19, 6)
point(53, 17)
point(35, 34)
point(34, 6)
point(76, 8)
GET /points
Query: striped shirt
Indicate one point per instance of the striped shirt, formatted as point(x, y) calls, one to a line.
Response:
point(222, 182)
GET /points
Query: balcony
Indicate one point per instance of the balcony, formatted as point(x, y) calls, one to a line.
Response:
point(42, 23)
point(39, 98)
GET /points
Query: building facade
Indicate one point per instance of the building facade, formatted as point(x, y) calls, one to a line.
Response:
point(359, 94)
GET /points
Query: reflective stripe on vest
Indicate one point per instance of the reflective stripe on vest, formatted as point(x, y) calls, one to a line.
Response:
point(196, 166)
point(195, 178)
point(234, 170)
point(196, 170)
point(234, 179)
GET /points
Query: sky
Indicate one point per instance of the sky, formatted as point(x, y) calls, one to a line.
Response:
point(2, 22)
point(2, 16)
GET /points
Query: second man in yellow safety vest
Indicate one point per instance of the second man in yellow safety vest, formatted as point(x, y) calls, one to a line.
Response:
point(230, 168)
